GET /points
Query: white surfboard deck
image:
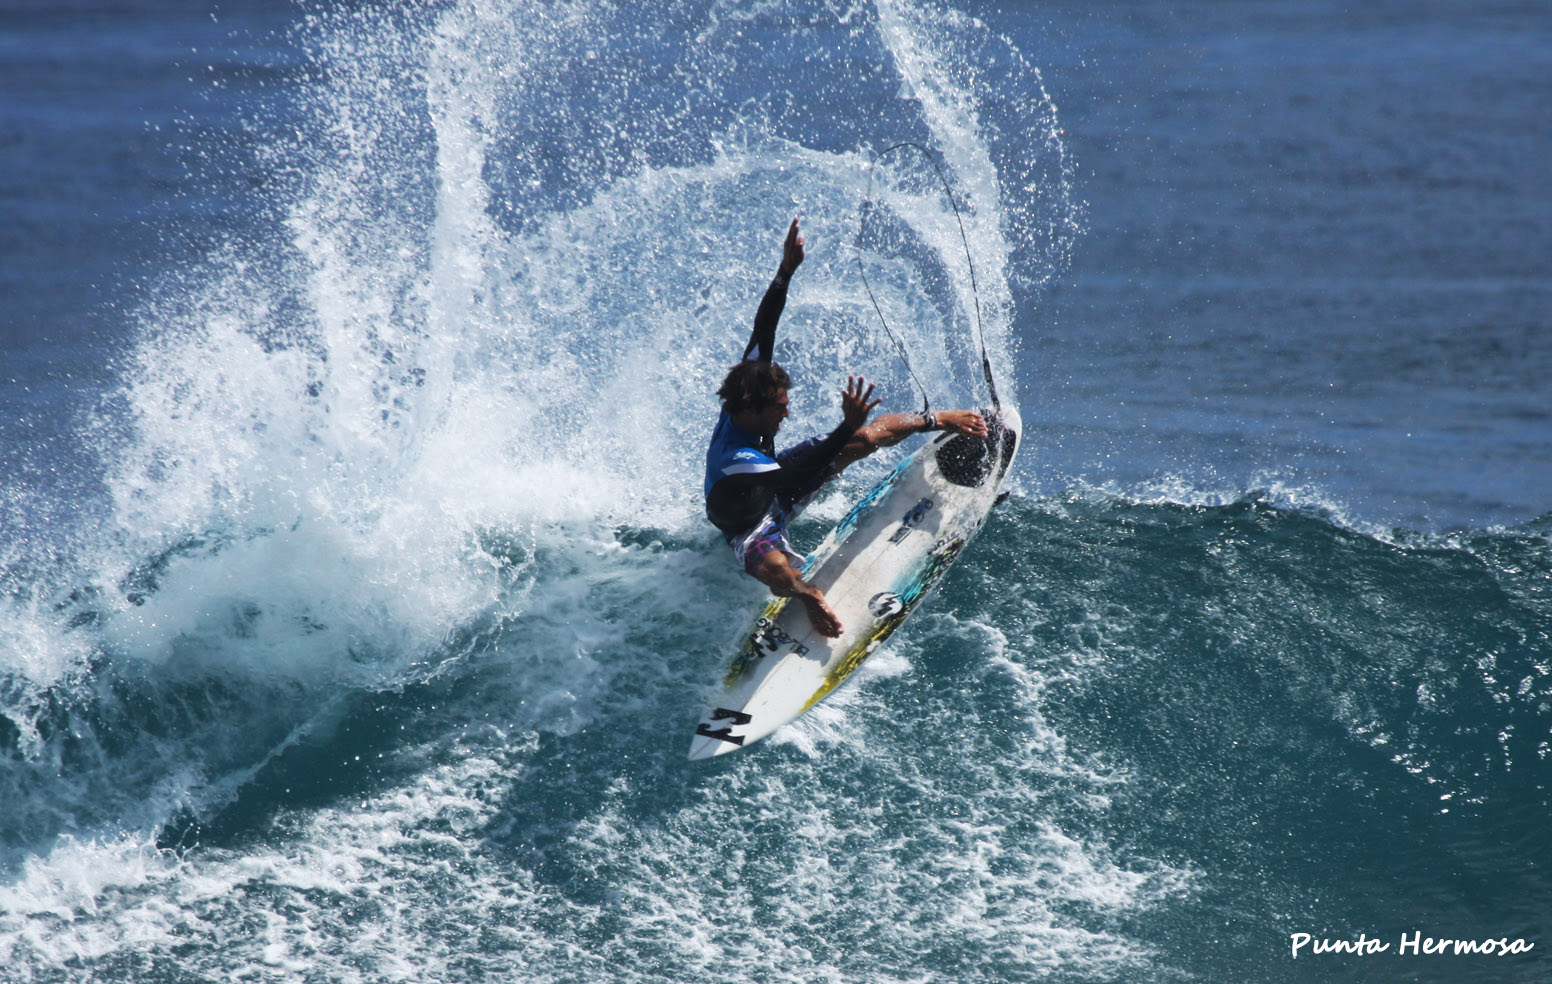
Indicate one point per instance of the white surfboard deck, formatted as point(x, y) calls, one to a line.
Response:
point(874, 568)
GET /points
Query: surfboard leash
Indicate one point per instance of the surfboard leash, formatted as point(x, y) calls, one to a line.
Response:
point(986, 362)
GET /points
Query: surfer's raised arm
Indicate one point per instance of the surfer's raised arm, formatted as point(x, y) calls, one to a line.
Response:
point(762, 342)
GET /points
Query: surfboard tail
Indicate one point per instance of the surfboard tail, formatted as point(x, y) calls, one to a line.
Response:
point(719, 732)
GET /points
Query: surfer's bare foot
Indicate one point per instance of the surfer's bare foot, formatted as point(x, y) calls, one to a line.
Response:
point(820, 614)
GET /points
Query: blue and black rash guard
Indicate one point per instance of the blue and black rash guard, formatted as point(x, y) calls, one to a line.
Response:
point(746, 480)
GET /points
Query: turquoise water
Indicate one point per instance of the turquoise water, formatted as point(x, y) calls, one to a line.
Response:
point(357, 602)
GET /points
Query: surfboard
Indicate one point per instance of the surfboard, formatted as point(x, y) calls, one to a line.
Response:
point(874, 567)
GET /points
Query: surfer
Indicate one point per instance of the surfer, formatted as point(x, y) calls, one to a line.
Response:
point(752, 491)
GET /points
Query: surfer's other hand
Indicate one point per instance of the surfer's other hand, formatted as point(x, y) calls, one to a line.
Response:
point(855, 405)
point(963, 422)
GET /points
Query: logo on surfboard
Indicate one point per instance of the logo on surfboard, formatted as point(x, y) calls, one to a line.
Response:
point(911, 520)
point(770, 637)
point(884, 604)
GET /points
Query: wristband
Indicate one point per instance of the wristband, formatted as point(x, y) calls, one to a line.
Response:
point(929, 421)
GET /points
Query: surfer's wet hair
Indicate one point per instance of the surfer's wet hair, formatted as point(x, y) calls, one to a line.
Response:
point(752, 385)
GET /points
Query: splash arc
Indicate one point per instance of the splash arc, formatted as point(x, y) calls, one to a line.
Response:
point(875, 567)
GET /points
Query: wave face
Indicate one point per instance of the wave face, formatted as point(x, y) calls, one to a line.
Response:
point(376, 654)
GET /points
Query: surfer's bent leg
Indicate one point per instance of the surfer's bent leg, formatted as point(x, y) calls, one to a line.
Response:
point(768, 558)
point(774, 569)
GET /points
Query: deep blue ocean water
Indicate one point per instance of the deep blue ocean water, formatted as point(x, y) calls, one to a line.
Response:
point(355, 373)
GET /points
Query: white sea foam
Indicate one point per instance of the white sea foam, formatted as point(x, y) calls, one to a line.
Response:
point(1273, 489)
point(445, 433)
point(387, 888)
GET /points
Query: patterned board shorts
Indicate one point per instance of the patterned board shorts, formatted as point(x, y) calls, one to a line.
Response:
point(751, 548)
point(771, 532)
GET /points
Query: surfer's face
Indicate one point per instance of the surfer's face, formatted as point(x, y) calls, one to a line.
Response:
point(768, 418)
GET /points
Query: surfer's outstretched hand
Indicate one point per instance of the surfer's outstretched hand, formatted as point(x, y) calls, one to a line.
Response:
point(855, 405)
point(962, 422)
point(791, 250)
